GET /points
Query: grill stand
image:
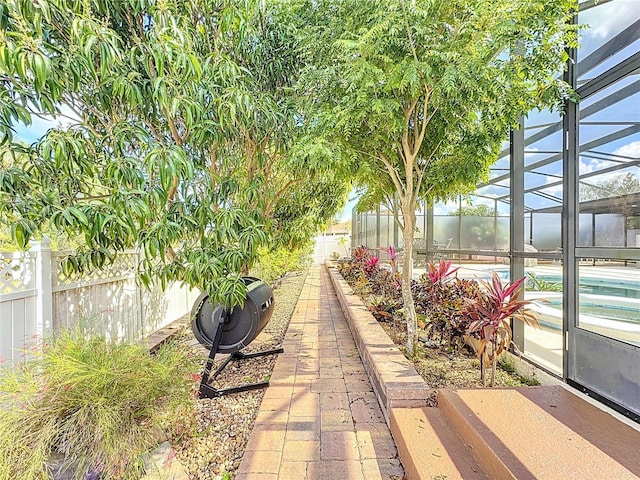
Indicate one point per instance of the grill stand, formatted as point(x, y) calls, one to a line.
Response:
point(206, 390)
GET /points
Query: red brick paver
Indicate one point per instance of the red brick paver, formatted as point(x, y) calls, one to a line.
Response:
point(319, 418)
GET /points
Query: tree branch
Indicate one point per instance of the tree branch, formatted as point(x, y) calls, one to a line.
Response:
point(422, 171)
point(425, 120)
point(392, 173)
point(406, 26)
point(408, 112)
point(172, 128)
point(269, 207)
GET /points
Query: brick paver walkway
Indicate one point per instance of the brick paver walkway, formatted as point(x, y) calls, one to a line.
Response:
point(319, 418)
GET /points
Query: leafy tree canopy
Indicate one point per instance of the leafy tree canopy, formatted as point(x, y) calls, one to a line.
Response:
point(618, 185)
point(184, 135)
point(423, 93)
point(480, 210)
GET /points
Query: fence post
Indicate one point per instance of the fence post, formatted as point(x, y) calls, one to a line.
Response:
point(44, 287)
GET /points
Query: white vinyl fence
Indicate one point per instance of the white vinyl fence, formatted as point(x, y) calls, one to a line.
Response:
point(36, 299)
point(328, 245)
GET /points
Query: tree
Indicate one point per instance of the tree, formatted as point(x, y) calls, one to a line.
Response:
point(302, 213)
point(183, 139)
point(423, 93)
point(618, 185)
point(480, 210)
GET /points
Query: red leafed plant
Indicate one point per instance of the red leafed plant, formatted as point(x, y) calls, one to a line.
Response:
point(371, 266)
point(490, 316)
point(440, 273)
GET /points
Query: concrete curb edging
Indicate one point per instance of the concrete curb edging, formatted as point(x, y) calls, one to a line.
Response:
point(395, 381)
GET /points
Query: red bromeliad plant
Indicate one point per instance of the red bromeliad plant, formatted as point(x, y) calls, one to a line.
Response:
point(490, 316)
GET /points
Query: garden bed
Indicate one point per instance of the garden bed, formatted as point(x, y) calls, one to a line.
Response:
point(444, 359)
point(459, 369)
point(214, 449)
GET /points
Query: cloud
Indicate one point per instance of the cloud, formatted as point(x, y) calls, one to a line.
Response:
point(531, 152)
point(619, 15)
point(555, 190)
point(588, 165)
point(631, 150)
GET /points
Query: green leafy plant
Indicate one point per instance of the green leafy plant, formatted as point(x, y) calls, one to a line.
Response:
point(274, 264)
point(354, 269)
point(388, 284)
point(506, 365)
point(182, 136)
point(99, 405)
point(489, 316)
point(384, 308)
point(410, 89)
point(541, 285)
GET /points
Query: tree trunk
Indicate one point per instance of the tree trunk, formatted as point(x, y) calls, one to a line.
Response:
point(493, 370)
point(407, 271)
point(493, 362)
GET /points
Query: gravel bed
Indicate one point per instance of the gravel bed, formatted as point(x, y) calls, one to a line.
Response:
point(215, 449)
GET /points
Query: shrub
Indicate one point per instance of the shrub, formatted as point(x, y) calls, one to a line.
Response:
point(371, 266)
point(353, 271)
point(273, 265)
point(383, 309)
point(100, 405)
point(388, 284)
point(442, 298)
point(490, 314)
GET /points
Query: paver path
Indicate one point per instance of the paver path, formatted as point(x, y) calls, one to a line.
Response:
point(319, 418)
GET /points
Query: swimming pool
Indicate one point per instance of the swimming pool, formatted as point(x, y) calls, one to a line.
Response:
point(605, 285)
point(611, 316)
point(608, 305)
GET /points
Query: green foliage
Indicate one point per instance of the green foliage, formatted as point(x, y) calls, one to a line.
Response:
point(422, 94)
point(480, 210)
point(354, 270)
point(622, 184)
point(507, 366)
point(539, 285)
point(301, 213)
point(442, 298)
point(273, 265)
point(384, 308)
point(101, 405)
point(366, 276)
point(453, 311)
point(183, 137)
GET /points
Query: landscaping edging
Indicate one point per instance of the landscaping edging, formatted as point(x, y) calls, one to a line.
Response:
point(395, 381)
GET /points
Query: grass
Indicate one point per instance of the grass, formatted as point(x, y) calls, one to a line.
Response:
point(100, 405)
